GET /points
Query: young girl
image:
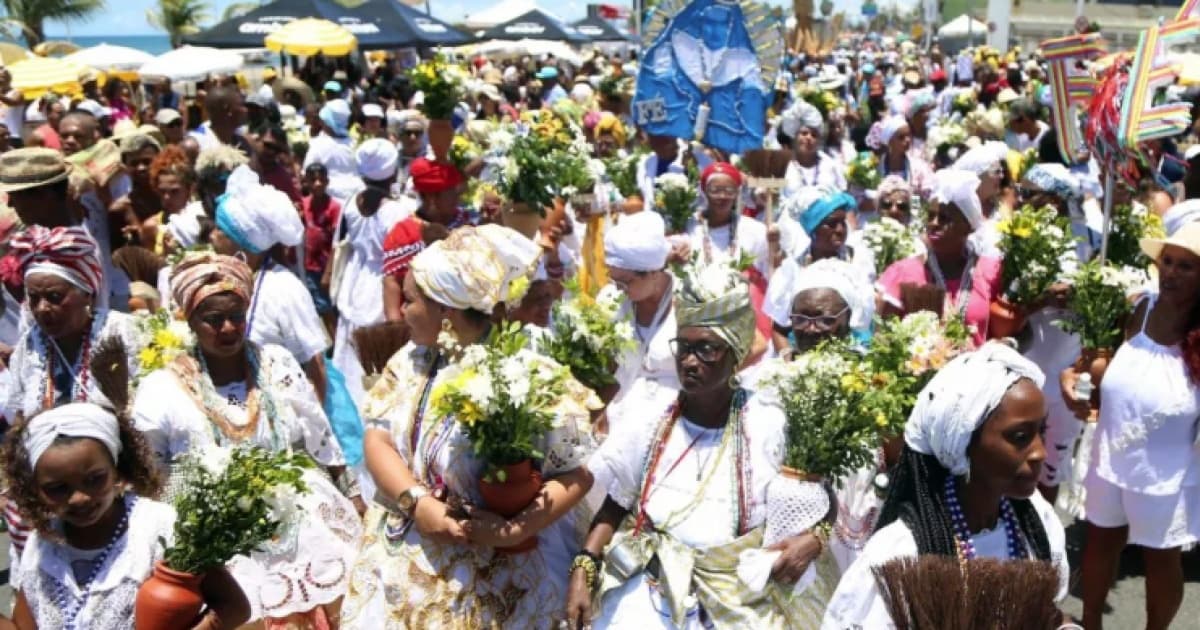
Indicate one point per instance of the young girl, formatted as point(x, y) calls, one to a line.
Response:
point(82, 477)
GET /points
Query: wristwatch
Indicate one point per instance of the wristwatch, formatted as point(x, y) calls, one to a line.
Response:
point(407, 501)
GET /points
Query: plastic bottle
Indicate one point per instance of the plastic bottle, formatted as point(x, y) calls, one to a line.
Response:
point(1084, 387)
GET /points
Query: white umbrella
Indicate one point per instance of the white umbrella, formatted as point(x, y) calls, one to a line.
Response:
point(107, 57)
point(192, 63)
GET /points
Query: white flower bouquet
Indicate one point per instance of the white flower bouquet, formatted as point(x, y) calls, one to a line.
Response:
point(161, 338)
point(506, 397)
point(1035, 242)
point(890, 241)
point(232, 502)
point(675, 199)
point(1100, 303)
point(587, 335)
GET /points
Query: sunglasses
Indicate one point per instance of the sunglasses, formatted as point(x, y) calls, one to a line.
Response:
point(216, 320)
point(412, 133)
point(706, 351)
point(893, 204)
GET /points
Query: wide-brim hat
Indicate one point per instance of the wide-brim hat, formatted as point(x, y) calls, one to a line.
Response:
point(22, 169)
point(1186, 237)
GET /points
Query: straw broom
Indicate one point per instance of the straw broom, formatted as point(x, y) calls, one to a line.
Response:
point(375, 345)
point(767, 171)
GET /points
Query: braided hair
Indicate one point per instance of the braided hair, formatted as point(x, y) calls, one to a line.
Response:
point(915, 497)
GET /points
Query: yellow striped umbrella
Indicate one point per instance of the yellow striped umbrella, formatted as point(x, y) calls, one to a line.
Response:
point(11, 53)
point(310, 36)
point(37, 75)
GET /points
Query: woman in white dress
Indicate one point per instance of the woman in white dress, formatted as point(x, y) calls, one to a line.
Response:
point(50, 364)
point(230, 390)
point(1144, 485)
point(966, 482)
point(87, 558)
point(720, 232)
point(424, 562)
point(366, 220)
point(688, 493)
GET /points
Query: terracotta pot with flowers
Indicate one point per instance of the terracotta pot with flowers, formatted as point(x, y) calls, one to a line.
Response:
point(441, 83)
point(1034, 243)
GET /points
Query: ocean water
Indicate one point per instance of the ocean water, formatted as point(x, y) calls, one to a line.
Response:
point(153, 44)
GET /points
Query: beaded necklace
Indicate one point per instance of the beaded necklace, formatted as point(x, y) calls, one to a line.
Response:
point(734, 431)
point(258, 402)
point(732, 249)
point(62, 600)
point(957, 306)
point(965, 546)
point(79, 378)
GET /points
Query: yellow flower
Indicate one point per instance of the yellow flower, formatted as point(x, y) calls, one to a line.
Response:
point(880, 419)
point(853, 383)
point(518, 289)
point(164, 338)
point(150, 358)
point(1003, 226)
point(1022, 232)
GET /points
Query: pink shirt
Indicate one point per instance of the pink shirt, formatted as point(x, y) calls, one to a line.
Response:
point(985, 286)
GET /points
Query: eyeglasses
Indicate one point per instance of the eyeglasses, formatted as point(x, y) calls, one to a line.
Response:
point(824, 322)
point(216, 320)
point(706, 351)
point(893, 204)
point(412, 133)
point(727, 191)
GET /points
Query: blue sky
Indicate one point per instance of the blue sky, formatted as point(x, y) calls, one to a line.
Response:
point(128, 17)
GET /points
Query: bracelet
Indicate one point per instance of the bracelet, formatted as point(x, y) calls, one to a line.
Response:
point(591, 568)
point(820, 531)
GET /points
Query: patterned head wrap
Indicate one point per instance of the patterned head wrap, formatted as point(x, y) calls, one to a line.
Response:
point(894, 184)
point(1055, 179)
point(477, 267)
point(881, 133)
point(717, 297)
point(960, 398)
point(76, 420)
point(69, 253)
point(256, 216)
point(610, 124)
point(201, 275)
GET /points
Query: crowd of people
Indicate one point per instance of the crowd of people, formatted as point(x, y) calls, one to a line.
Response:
point(278, 223)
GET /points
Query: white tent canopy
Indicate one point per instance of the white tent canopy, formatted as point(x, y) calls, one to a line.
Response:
point(962, 26)
point(192, 63)
point(504, 11)
point(532, 47)
point(109, 57)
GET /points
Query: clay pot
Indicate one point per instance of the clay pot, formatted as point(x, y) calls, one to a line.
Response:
point(523, 218)
point(792, 473)
point(168, 600)
point(1094, 361)
point(554, 216)
point(1005, 319)
point(441, 135)
point(507, 498)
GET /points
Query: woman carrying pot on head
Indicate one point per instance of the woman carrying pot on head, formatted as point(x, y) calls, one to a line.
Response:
point(230, 390)
point(823, 217)
point(693, 486)
point(952, 279)
point(423, 558)
point(1144, 486)
point(966, 482)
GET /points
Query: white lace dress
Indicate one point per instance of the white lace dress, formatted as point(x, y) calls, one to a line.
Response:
point(108, 601)
point(309, 566)
point(402, 580)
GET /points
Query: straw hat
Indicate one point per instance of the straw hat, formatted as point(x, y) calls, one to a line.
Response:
point(22, 169)
point(1186, 237)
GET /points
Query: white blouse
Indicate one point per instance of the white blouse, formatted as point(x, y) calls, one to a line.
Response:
point(857, 602)
point(360, 293)
point(108, 600)
point(284, 314)
point(713, 244)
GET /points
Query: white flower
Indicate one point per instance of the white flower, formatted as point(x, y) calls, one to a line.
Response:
point(282, 503)
point(480, 390)
point(672, 180)
point(512, 170)
point(245, 503)
point(181, 330)
point(596, 169)
point(214, 459)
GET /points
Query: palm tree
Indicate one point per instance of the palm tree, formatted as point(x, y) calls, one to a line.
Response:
point(32, 15)
point(178, 18)
point(238, 9)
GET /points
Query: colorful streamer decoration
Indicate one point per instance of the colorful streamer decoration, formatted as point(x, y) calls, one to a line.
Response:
point(1141, 119)
point(1071, 87)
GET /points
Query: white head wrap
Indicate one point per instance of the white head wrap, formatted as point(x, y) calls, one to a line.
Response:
point(960, 397)
point(983, 157)
point(637, 243)
point(848, 281)
point(799, 116)
point(77, 420)
point(476, 267)
point(581, 93)
point(377, 159)
point(889, 126)
point(795, 204)
point(184, 227)
point(257, 216)
point(1181, 214)
point(961, 189)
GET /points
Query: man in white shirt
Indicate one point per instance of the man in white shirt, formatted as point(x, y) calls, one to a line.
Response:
point(1025, 130)
point(267, 90)
point(333, 149)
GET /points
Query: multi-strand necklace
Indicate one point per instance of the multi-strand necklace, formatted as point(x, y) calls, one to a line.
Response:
point(965, 545)
point(62, 599)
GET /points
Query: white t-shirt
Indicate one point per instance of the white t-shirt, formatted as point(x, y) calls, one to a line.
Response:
point(284, 314)
point(14, 117)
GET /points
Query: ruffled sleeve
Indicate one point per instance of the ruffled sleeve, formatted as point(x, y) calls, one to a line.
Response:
point(311, 427)
point(569, 444)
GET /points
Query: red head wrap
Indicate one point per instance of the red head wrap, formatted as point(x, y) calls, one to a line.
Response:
point(433, 177)
point(720, 168)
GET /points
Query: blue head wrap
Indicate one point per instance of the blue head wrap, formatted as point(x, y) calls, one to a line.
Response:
point(820, 210)
point(226, 224)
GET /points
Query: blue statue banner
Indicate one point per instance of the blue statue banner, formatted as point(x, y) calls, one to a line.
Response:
point(708, 68)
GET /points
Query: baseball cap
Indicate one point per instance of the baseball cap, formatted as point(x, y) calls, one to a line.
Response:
point(166, 116)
